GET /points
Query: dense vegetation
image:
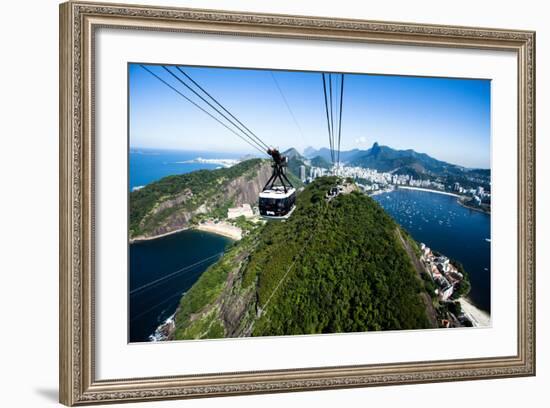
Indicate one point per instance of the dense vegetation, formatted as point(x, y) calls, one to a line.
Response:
point(333, 266)
point(349, 273)
point(463, 288)
point(199, 186)
point(294, 179)
point(295, 161)
point(202, 297)
point(319, 161)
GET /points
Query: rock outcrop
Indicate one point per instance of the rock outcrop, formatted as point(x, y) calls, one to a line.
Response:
point(176, 211)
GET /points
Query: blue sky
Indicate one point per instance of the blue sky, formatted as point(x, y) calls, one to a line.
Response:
point(449, 119)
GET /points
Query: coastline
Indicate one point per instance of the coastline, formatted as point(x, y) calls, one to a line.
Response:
point(221, 228)
point(459, 198)
point(481, 210)
point(429, 190)
point(478, 317)
point(143, 239)
point(377, 192)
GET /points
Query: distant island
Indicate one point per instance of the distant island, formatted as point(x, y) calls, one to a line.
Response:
point(221, 162)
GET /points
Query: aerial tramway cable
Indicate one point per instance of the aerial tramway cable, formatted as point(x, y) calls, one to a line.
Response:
point(275, 202)
point(331, 141)
point(287, 105)
point(175, 273)
point(255, 146)
point(254, 139)
point(156, 305)
point(331, 115)
point(340, 118)
point(258, 144)
point(328, 117)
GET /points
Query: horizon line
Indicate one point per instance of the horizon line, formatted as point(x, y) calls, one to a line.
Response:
point(172, 149)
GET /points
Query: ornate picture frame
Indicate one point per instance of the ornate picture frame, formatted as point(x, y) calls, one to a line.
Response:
point(78, 24)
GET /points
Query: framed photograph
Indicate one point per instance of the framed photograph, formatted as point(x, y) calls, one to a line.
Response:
point(256, 203)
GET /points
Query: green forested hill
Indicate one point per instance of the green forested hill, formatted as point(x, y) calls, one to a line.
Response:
point(334, 266)
point(350, 271)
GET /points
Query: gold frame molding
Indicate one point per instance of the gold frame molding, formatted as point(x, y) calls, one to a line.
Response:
point(78, 22)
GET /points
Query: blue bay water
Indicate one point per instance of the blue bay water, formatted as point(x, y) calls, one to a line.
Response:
point(162, 258)
point(148, 165)
point(161, 271)
point(446, 226)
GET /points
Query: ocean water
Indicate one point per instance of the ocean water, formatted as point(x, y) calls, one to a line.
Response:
point(148, 165)
point(161, 271)
point(446, 226)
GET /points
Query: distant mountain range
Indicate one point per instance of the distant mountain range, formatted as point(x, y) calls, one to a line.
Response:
point(324, 153)
point(386, 159)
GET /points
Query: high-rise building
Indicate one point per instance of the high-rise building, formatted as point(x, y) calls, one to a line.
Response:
point(303, 172)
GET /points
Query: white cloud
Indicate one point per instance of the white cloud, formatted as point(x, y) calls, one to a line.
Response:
point(361, 140)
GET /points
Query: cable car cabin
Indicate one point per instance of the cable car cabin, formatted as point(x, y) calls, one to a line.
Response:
point(275, 203)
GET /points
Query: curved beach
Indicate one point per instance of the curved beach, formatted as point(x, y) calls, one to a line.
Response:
point(221, 228)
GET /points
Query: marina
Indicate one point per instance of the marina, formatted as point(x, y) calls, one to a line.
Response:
point(444, 225)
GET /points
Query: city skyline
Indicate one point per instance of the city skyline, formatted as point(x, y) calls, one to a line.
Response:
point(448, 119)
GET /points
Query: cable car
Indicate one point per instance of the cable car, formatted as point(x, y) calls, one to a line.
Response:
point(277, 201)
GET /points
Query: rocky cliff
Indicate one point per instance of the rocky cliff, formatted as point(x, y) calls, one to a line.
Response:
point(175, 202)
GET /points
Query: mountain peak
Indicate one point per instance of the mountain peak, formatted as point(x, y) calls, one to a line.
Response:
point(375, 149)
point(292, 153)
point(309, 151)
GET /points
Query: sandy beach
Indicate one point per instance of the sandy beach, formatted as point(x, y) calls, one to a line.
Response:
point(478, 317)
point(221, 228)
